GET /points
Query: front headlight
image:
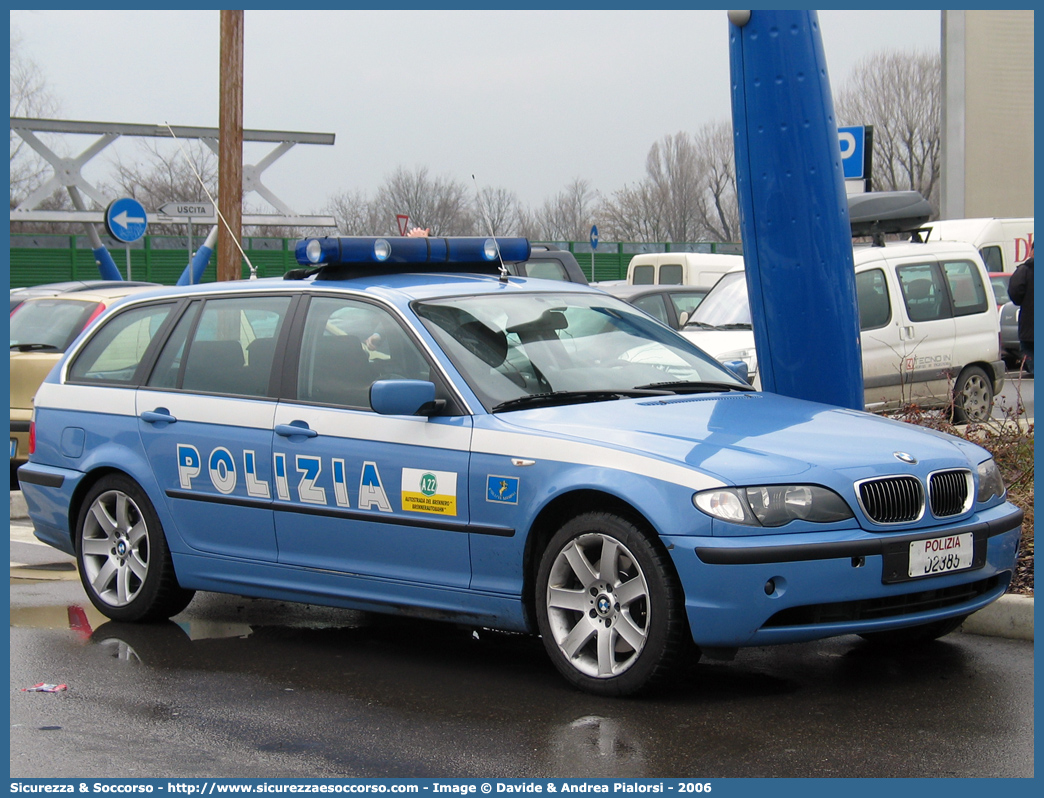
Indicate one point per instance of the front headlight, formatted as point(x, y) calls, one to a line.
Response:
point(773, 505)
point(991, 483)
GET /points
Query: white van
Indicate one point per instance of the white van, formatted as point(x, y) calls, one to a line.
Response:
point(928, 321)
point(701, 269)
point(1002, 243)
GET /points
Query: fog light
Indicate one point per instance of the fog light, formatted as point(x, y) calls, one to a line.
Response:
point(770, 587)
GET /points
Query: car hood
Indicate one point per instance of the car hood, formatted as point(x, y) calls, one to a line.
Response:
point(28, 370)
point(750, 437)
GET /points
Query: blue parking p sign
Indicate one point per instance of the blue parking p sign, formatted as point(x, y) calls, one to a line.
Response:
point(125, 220)
point(853, 144)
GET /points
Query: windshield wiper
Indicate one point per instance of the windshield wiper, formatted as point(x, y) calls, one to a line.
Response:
point(700, 386)
point(33, 347)
point(574, 397)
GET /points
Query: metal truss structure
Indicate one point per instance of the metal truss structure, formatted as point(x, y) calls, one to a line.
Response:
point(68, 172)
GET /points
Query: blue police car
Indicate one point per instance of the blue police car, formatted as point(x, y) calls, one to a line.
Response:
point(401, 426)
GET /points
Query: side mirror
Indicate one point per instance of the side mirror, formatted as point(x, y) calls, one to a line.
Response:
point(739, 369)
point(683, 319)
point(404, 398)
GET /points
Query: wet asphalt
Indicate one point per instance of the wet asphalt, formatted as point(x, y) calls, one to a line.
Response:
point(238, 687)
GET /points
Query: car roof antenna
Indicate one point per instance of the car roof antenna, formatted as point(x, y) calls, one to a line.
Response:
point(233, 236)
point(482, 210)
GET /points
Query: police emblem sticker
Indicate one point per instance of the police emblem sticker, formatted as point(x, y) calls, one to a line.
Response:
point(502, 490)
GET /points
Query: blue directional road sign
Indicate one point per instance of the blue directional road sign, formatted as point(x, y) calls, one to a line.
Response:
point(125, 220)
point(594, 236)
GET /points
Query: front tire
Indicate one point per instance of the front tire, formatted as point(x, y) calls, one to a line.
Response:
point(124, 563)
point(972, 396)
point(609, 608)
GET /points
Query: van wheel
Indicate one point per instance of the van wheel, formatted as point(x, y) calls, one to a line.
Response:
point(972, 396)
point(124, 563)
point(609, 608)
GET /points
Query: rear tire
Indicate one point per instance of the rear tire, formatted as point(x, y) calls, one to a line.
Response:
point(972, 396)
point(609, 608)
point(124, 563)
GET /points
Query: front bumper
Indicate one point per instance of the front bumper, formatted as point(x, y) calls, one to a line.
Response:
point(762, 590)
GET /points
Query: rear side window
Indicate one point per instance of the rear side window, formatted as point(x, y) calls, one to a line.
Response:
point(671, 274)
point(875, 308)
point(966, 287)
point(991, 256)
point(225, 346)
point(923, 292)
point(643, 275)
point(117, 349)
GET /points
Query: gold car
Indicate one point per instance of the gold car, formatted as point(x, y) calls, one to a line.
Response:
point(42, 328)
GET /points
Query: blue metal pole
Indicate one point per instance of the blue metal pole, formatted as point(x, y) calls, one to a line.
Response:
point(106, 265)
point(194, 271)
point(797, 242)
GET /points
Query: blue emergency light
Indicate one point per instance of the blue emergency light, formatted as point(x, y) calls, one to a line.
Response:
point(368, 250)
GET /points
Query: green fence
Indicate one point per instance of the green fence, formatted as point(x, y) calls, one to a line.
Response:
point(50, 258)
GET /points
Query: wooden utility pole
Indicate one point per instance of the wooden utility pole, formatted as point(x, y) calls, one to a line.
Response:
point(230, 148)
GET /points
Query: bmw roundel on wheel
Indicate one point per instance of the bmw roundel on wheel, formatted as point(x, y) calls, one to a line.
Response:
point(401, 426)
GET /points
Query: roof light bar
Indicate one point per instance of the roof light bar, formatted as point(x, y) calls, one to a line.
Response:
point(339, 250)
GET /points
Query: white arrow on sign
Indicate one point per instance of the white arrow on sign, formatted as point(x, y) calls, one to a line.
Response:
point(123, 220)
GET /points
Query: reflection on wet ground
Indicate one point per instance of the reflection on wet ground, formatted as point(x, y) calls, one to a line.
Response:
point(351, 693)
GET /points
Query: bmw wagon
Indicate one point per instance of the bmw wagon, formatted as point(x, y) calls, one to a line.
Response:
point(401, 426)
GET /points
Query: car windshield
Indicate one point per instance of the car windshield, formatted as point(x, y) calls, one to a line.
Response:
point(725, 306)
point(50, 324)
point(565, 347)
point(1000, 287)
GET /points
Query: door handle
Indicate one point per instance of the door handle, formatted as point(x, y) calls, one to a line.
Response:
point(158, 416)
point(295, 428)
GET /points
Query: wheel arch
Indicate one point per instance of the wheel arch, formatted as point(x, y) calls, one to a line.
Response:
point(553, 516)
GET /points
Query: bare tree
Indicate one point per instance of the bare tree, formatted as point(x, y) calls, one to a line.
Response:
point(688, 193)
point(498, 208)
point(441, 205)
point(569, 214)
point(634, 213)
point(717, 203)
point(672, 176)
point(900, 94)
point(356, 215)
point(30, 97)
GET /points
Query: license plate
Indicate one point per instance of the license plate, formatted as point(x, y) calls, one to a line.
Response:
point(14, 447)
point(941, 555)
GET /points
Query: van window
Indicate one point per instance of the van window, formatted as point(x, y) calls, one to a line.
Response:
point(993, 259)
point(231, 347)
point(875, 308)
point(966, 287)
point(114, 353)
point(923, 292)
point(643, 274)
point(671, 274)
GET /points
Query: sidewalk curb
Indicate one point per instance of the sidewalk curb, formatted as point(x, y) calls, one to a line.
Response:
point(19, 512)
point(1009, 616)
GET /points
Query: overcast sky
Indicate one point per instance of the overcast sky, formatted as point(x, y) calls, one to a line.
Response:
point(524, 100)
